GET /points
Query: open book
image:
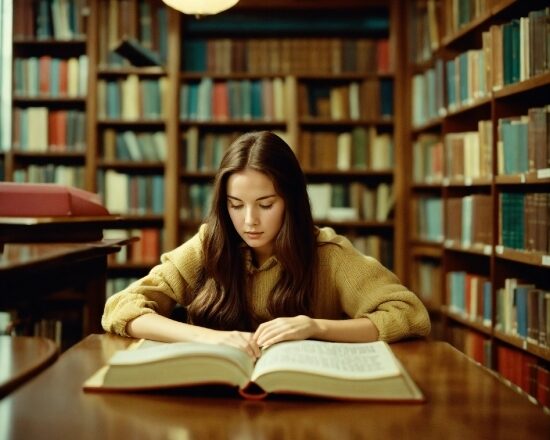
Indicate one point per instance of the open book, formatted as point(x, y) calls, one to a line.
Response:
point(360, 371)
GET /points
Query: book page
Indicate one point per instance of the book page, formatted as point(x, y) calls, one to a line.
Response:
point(344, 360)
point(152, 351)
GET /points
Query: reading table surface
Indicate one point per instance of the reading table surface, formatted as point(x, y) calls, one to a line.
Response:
point(22, 357)
point(463, 401)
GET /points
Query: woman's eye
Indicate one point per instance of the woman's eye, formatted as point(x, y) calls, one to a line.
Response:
point(266, 206)
point(235, 206)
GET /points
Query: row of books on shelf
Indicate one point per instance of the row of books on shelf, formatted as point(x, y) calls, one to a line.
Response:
point(359, 149)
point(351, 201)
point(210, 100)
point(523, 221)
point(510, 53)
point(131, 193)
point(428, 281)
point(146, 21)
point(128, 145)
point(523, 146)
point(47, 76)
point(524, 142)
point(368, 99)
point(522, 370)
point(51, 173)
point(424, 30)
point(41, 129)
point(468, 155)
point(146, 250)
point(286, 55)
point(459, 13)
point(203, 152)
point(427, 219)
point(470, 295)
point(49, 19)
point(468, 221)
point(132, 98)
point(427, 158)
point(521, 309)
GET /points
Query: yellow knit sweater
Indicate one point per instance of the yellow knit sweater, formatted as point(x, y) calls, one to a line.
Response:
point(351, 285)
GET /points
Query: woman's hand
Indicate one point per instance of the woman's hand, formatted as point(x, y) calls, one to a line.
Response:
point(285, 329)
point(242, 340)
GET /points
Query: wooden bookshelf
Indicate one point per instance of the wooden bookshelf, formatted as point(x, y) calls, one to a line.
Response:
point(366, 27)
point(480, 309)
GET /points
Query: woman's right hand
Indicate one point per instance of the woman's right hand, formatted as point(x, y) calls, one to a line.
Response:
point(160, 328)
point(242, 340)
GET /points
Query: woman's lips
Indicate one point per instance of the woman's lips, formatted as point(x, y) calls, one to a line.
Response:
point(253, 234)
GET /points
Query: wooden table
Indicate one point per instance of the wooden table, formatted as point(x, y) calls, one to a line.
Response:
point(464, 401)
point(73, 272)
point(21, 358)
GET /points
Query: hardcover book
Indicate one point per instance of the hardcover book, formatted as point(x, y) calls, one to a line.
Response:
point(354, 371)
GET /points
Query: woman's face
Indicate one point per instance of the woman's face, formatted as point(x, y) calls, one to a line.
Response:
point(256, 211)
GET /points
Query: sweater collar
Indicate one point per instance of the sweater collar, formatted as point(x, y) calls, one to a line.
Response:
point(249, 262)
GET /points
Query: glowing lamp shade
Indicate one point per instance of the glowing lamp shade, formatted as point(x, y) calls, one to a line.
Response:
point(201, 7)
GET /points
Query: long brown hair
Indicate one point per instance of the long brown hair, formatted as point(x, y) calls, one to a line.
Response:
point(220, 295)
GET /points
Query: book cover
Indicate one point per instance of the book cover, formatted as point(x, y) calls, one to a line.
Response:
point(352, 371)
point(136, 53)
point(47, 200)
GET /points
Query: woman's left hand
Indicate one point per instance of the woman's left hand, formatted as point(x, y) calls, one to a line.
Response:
point(285, 329)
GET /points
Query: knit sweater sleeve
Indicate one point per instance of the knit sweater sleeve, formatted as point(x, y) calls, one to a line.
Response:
point(367, 289)
point(168, 283)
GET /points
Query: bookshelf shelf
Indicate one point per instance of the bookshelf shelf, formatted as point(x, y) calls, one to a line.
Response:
point(131, 165)
point(150, 71)
point(244, 123)
point(356, 224)
point(432, 124)
point(475, 105)
point(477, 249)
point(539, 177)
point(348, 174)
point(133, 124)
point(505, 277)
point(537, 83)
point(479, 326)
point(526, 257)
point(48, 43)
point(536, 349)
point(457, 38)
point(196, 76)
point(311, 122)
point(50, 155)
point(48, 100)
point(426, 250)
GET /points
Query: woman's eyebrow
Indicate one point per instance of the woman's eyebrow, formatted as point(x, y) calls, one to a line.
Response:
point(258, 199)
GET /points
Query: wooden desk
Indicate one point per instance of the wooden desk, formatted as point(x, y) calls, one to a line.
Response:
point(74, 272)
point(22, 358)
point(464, 401)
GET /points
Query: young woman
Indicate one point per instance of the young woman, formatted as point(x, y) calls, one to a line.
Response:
point(260, 272)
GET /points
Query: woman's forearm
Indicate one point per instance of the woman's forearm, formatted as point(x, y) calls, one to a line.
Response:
point(348, 330)
point(160, 328)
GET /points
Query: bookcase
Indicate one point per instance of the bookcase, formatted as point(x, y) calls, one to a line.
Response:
point(50, 66)
point(148, 135)
point(326, 85)
point(479, 180)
